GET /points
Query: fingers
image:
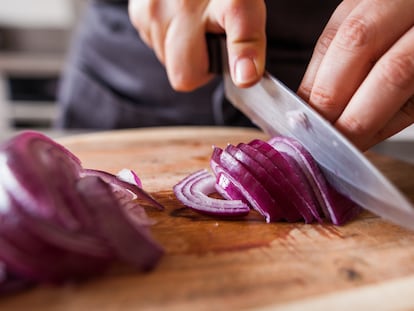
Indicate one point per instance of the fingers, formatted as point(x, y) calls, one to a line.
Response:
point(362, 37)
point(322, 46)
point(176, 31)
point(186, 56)
point(151, 18)
point(401, 120)
point(362, 69)
point(383, 103)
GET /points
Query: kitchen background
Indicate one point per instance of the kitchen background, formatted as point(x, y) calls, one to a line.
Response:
point(34, 37)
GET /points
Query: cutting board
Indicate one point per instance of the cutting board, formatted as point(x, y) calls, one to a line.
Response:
point(213, 264)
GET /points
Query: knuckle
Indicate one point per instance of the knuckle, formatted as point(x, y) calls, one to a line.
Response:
point(355, 32)
point(353, 127)
point(153, 9)
point(304, 92)
point(398, 70)
point(325, 40)
point(322, 101)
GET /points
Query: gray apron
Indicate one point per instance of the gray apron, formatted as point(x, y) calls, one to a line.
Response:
point(113, 80)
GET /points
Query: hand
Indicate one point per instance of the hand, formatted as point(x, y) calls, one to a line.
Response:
point(361, 76)
point(176, 30)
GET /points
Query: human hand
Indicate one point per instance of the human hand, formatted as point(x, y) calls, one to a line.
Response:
point(176, 31)
point(361, 75)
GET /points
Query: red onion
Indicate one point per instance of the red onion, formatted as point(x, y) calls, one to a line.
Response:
point(59, 221)
point(279, 179)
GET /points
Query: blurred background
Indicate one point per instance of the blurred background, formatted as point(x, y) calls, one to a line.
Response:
point(34, 38)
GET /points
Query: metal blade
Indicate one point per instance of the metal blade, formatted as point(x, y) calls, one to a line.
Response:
point(278, 111)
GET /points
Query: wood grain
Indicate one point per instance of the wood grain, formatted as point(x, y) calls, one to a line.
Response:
point(215, 264)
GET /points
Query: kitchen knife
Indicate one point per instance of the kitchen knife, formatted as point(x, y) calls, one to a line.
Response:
point(278, 111)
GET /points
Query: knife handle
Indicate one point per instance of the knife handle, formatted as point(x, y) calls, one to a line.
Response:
point(215, 53)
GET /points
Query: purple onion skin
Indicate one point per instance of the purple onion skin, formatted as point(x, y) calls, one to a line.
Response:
point(11, 284)
point(293, 151)
point(337, 207)
point(283, 190)
point(132, 244)
point(224, 181)
point(248, 185)
point(303, 195)
point(251, 159)
point(29, 256)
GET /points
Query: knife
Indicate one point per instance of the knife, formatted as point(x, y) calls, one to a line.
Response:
point(277, 110)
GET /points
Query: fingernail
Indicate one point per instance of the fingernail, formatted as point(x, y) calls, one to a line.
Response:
point(245, 71)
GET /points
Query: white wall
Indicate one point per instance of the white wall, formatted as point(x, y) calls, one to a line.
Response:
point(37, 13)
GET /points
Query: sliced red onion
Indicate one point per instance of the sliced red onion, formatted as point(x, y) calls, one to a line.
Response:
point(280, 180)
point(224, 185)
point(272, 187)
point(59, 221)
point(303, 195)
point(193, 192)
point(34, 171)
point(249, 187)
point(31, 257)
point(335, 206)
point(131, 243)
point(227, 189)
point(277, 184)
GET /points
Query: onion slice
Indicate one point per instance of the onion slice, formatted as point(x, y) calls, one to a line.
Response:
point(193, 192)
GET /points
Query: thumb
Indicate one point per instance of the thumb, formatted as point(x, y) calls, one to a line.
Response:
point(244, 23)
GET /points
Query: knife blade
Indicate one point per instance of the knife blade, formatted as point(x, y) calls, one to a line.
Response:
point(277, 110)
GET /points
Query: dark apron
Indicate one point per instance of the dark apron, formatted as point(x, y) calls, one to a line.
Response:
point(113, 80)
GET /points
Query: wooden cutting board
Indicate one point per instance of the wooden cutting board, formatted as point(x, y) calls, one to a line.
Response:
point(213, 264)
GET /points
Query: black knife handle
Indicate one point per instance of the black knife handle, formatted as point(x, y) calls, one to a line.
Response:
point(215, 55)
